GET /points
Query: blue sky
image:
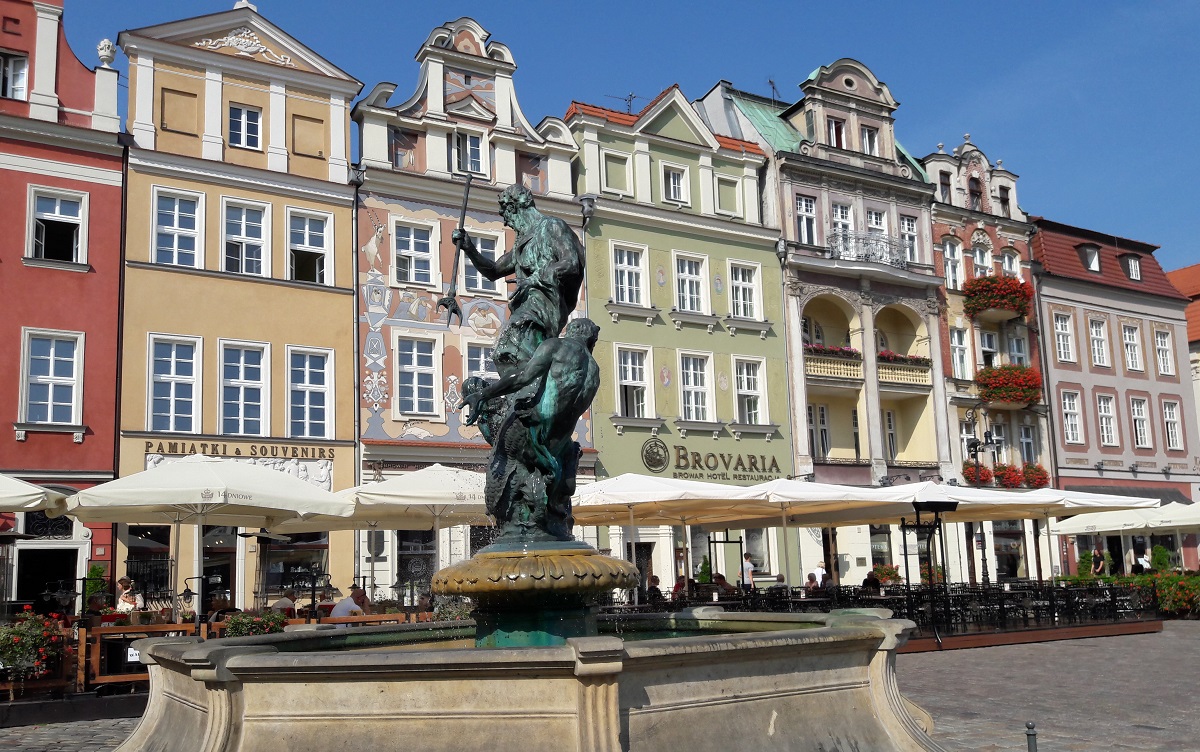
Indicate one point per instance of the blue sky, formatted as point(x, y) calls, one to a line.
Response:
point(1094, 104)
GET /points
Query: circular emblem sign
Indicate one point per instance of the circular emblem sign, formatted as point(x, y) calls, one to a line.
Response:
point(654, 455)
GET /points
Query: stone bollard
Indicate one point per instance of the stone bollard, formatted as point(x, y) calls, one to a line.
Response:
point(1031, 736)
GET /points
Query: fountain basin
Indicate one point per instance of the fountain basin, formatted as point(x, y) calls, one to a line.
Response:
point(761, 681)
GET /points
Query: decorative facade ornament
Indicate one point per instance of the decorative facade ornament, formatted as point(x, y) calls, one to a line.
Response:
point(247, 44)
point(107, 51)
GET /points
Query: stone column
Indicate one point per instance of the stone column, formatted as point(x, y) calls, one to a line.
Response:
point(212, 143)
point(277, 152)
point(942, 429)
point(339, 166)
point(43, 93)
point(802, 452)
point(143, 106)
point(873, 422)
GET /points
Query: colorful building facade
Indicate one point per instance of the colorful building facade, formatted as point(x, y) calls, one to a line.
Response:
point(60, 179)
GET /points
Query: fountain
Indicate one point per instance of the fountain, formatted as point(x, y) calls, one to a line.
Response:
point(537, 669)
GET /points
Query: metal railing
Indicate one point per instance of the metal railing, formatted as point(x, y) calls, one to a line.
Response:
point(878, 248)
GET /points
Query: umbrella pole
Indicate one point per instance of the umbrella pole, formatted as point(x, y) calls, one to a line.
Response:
point(787, 548)
point(371, 529)
point(633, 554)
point(175, 571)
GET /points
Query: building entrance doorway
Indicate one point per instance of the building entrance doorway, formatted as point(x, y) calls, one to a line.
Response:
point(39, 569)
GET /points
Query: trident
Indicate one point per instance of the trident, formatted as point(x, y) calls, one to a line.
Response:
point(450, 303)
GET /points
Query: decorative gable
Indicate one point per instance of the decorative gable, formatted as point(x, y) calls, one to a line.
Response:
point(670, 115)
point(245, 42)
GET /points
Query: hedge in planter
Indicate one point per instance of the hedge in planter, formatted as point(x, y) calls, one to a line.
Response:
point(1004, 293)
point(1021, 385)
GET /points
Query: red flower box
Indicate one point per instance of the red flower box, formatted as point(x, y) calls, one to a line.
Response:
point(1035, 475)
point(1004, 293)
point(982, 478)
point(1020, 385)
point(1007, 476)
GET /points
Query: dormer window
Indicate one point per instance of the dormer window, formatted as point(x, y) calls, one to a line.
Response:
point(468, 151)
point(1133, 267)
point(975, 194)
point(870, 140)
point(837, 132)
point(944, 187)
point(1005, 207)
point(1090, 255)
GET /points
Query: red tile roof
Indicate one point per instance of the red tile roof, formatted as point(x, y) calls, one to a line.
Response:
point(1055, 246)
point(1187, 281)
point(625, 118)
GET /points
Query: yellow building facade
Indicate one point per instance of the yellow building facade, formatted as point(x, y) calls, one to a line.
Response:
point(238, 302)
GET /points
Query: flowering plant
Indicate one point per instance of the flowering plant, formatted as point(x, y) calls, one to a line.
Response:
point(31, 644)
point(1035, 475)
point(980, 476)
point(110, 615)
point(1017, 384)
point(830, 351)
point(249, 623)
point(1007, 476)
point(939, 574)
point(887, 356)
point(888, 573)
point(1005, 293)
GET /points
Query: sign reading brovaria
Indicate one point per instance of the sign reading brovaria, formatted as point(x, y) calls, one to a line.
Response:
point(753, 468)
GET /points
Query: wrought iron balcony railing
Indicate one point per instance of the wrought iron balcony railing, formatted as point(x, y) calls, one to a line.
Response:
point(881, 249)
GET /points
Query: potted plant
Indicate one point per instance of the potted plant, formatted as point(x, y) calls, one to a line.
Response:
point(249, 623)
point(1007, 476)
point(144, 618)
point(1013, 384)
point(997, 293)
point(976, 476)
point(831, 351)
point(1035, 475)
point(30, 647)
point(888, 574)
point(887, 356)
point(110, 617)
point(187, 616)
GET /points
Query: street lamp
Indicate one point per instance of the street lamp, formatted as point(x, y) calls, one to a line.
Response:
point(974, 447)
point(311, 578)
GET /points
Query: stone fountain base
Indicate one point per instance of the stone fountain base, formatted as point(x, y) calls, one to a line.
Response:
point(537, 594)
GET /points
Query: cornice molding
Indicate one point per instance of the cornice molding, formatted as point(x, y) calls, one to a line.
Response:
point(223, 174)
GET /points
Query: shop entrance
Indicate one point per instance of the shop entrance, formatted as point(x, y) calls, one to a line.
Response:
point(39, 569)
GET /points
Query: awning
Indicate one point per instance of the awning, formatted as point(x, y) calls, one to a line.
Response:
point(1164, 494)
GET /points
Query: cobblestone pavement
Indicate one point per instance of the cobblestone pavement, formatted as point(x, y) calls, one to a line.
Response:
point(77, 736)
point(1112, 693)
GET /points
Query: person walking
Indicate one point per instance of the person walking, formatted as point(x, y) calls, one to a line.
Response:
point(747, 572)
point(1098, 561)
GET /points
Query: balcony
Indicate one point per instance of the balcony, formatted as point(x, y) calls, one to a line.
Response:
point(876, 248)
point(824, 366)
point(1009, 387)
point(903, 373)
point(996, 299)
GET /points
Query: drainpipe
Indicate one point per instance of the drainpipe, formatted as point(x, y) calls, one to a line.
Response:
point(123, 139)
point(357, 178)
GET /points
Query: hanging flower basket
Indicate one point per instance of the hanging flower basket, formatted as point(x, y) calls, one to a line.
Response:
point(1016, 385)
point(1007, 476)
point(981, 478)
point(1035, 475)
point(887, 356)
point(829, 351)
point(1001, 294)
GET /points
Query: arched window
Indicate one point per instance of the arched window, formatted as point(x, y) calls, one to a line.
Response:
point(983, 261)
point(975, 189)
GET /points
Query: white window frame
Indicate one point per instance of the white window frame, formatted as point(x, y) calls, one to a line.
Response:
point(1010, 264)
point(841, 223)
point(328, 389)
point(835, 132)
point(196, 380)
point(1091, 258)
point(952, 248)
point(989, 342)
point(13, 65)
point(1027, 443)
point(1018, 351)
point(982, 262)
point(706, 389)
point(1132, 347)
point(648, 369)
point(806, 219)
point(1139, 419)
point(264, 385)
point(228, 202)
point(1163, 352)
point(910, 239)
point(467, 344)
point(755, 288)
point(1106, 419)
point(243, 120)
point(1172, 425)
point(1072, 422)
point(435, 240)
point(158, 192)
point(818, 431)
point(485, 166)
point(31, 217)
point(439, 403)
point(327, 249)
point(764, 416)
point(1133, 266)
point(1098, 337)
point(811, 331)
point(75, 381)
point(605, 185)
point(642, 269)
point(499, 288)
point(1064, 337)
point(718, 179)
point(705, 306)
point(685, 184)
point(959, 362)
point(891, 439)
point(868, 138)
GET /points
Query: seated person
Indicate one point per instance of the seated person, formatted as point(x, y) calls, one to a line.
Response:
point(681, 588)
point(424, 603)
point(811, 584)
point(653, 593)
point(286, 603)
point(127, 598)
point(828, 584)
point(724, 586)
point(871, 582)
point(352, 605)
point(220, 609)
point(780, 585)
point(95, 604)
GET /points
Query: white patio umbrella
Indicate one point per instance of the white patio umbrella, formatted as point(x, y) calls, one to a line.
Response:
point(209, 490)
point(18, 496)
point(1105, 522)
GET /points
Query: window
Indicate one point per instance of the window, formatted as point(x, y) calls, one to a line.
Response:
point(674, 184)
point(1131, 337)
point(870, 140)
point(244, 126)
point(1091, 258)
point(1172, 428)
point(243, 239)
point(889, 428)
point(616, 173)
point(1017, 351)
point(975, 194)
point(818, 431)
point(1162, 351)
point(1011, 264)
point(811, 332)
point(1000, 443)
point(1141, 422)
point(417, 376)
point(908, 238)
point(468, 150)
point(309, 405)
point(954, 270)
point(176, 235)
point(308, 248)
point(836, 132)
point(966, 434)
point(876, 244)
point(1107, 418)
point(627, 275)
point(58, 226)
point(854, 434)
point(174, 384)
point(1098, 332)
point(480, 361)
point(806, 220)
point(987, 349)
point(743, 291)
point(983, 261)
point(1133, 266)
point(842, 221)
point(750, 397)
point(1072, 423)
point(632, 384)
point(404, 148)
point(958, 353)
point(1005, 202)
point(53, 377)
point(486, 245)
point(1064, 339)
point(944, 190)
point(689, 284)
point(414, 254)
point(243, 383)
point(693, 373)
point(1028, 444)
point(13, 76)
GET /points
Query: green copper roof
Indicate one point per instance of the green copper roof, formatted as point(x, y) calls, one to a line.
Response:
point(779, 134)
point(916, 165)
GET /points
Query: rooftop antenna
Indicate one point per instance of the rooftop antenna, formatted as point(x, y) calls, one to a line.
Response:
point(774, 92)
point(627, 99)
